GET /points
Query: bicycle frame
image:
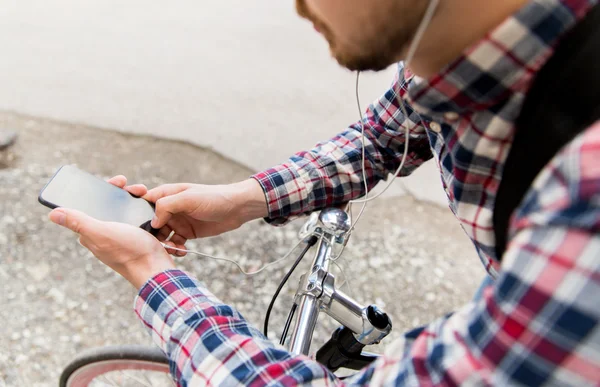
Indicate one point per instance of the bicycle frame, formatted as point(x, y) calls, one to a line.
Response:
point(317, 291)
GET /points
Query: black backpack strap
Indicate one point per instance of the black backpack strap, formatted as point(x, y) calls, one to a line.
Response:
point(563, 101)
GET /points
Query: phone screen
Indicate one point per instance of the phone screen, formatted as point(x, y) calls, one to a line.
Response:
point(73, 188)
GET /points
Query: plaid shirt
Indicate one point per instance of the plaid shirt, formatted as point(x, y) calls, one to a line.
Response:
point(537, 325)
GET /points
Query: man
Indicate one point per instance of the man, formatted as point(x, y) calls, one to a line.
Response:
point(537, 324)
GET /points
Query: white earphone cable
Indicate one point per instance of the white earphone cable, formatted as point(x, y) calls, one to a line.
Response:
point(232, 261)
point(429, 13)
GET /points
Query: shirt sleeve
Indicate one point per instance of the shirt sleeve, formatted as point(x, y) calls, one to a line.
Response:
point(210, 343)
point(331, 172)
point(538, 324)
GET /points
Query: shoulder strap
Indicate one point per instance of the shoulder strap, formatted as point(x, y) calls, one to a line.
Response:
point(563, 101)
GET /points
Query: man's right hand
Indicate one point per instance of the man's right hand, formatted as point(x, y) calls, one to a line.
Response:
point(197, 211)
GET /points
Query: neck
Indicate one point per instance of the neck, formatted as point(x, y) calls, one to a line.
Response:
point(458, 24)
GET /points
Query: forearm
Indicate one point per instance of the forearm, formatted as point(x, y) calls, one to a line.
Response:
point(209, 342)
point(332, 172)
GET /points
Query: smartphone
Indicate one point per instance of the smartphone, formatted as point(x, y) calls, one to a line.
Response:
point(73, 188)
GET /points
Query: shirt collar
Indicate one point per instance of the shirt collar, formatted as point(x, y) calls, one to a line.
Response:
point(500, 64)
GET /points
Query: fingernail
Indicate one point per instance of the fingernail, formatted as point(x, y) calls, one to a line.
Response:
point(58, 217)
point(154, 222)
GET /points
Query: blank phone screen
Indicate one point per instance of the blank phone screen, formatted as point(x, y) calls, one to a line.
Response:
point(73, 188)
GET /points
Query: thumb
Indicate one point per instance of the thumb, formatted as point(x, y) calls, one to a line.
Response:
point(168, 206)
point(162, 191)
point(74, 220)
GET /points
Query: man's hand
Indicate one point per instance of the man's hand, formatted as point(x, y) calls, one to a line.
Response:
point(196, 211)
point(129, 250)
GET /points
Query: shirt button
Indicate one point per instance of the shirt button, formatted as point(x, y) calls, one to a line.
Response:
point(435, 127)
point(451, 116)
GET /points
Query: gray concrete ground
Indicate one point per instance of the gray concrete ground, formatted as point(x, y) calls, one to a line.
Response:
point(236, 76)
point(409, 257)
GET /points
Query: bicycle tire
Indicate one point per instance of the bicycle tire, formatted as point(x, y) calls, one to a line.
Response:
point(93, 363)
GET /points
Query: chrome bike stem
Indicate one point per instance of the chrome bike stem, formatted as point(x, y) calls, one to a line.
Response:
point(317, 290)
point(308, 302)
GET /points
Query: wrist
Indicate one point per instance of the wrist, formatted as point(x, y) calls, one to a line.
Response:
point(139, 272)
point(251, 200)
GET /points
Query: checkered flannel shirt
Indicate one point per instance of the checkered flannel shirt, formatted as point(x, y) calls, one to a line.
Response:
point(537, 325)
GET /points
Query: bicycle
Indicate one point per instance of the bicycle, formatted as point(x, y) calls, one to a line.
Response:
point(360, 325)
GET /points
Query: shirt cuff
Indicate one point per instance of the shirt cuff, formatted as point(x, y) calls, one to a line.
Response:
point(166, 298)
point(285, 192)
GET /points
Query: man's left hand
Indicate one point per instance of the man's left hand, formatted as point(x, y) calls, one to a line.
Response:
point(128, 250)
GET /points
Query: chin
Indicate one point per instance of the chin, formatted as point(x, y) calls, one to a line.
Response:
point(355, 58)
point(363, 63)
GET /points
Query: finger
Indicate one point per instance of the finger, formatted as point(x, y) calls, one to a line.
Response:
point(205, 229)
point(176, 252)
point(178, 239)
point(182, 227)
point(171, 251)
point(167, 206)
point(170, 235)
point(119, 180)
point(165, 190)
point(164, 233)
point(175, 240)
point(138, 190)
point(75, 221)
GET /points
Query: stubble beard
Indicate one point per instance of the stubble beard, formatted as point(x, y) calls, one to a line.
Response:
point(375, 53)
